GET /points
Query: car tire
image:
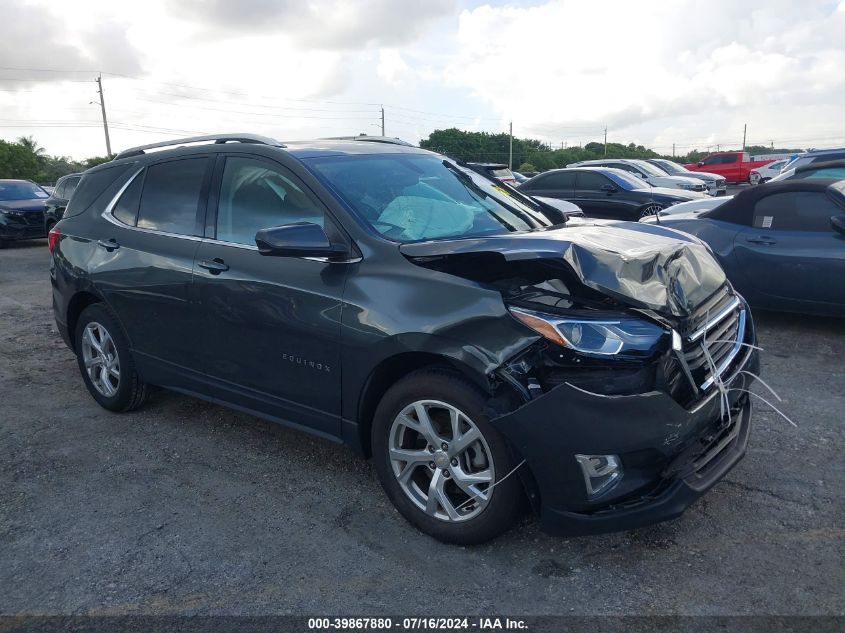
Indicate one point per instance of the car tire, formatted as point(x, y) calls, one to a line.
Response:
point(105, 361)
point(471, 519)
point(49, 226)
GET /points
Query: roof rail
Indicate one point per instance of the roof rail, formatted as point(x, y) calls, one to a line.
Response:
point(217, 138)
point(390, 140)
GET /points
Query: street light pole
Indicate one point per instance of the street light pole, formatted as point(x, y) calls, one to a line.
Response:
point(510, 148)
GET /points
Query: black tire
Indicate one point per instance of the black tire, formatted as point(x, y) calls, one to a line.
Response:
point(507, 500)
point(131, 392)
point(49, 226)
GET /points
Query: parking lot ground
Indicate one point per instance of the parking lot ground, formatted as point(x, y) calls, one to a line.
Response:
point(189, 508)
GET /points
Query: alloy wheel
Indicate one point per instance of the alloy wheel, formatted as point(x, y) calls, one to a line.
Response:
point(652, 209)
point(441, 460)
point(99, 355)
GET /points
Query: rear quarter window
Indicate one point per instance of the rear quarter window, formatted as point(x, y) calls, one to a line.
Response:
point(92, 185)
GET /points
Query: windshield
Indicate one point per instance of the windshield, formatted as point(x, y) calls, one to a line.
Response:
point(421, 197)
point(21, 191)
point(627, 181)
point(671, 168)
point(648, 168)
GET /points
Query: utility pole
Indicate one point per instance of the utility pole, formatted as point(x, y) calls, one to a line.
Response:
point(744, 130)
point(718, 147)
point(673, 150)
point(103, 108)
point(382, 120)
point(605, 140)
point(510, 148)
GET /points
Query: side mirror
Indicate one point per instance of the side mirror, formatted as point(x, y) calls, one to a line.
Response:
point(701, 163)
point(838, 224)
point(301, 239)
point(608, 188)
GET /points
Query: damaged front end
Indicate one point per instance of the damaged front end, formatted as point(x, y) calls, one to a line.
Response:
point(632, 399)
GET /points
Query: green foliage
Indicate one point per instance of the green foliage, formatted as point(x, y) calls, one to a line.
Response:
point(483, 147)
point(26, 159)
point(18, 161)
point(527, 167)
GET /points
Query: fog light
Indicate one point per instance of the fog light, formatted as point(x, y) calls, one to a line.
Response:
point(601, 472)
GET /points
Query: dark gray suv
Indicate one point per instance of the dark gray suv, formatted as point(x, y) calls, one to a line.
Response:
point(397, 301)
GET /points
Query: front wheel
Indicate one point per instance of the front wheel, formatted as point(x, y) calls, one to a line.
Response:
point(650, 209)
point(441, 462)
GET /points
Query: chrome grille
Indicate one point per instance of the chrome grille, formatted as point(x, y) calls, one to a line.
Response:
point(719, 334)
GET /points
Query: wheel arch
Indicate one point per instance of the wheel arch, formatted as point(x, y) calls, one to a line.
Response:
point(76, 305)
point(387, 373)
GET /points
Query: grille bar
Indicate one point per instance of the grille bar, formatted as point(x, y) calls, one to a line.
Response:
point(727, 360)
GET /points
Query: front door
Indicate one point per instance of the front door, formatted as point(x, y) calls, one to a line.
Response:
point(791, 253)
point(270, 326)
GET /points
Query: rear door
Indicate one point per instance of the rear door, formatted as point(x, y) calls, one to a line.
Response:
point(600, 197)
point(143, 262)
point(791, 254)
point(556, 184)
point(270, 326)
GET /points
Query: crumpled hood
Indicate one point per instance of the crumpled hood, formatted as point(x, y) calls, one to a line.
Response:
point(641, 265)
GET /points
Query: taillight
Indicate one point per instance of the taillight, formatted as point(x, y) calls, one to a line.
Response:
point(53, 238)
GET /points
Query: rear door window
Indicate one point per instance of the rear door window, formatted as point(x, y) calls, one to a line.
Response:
point(554, 181)
point(171, 195)
point(590, 181)
point(70, 187)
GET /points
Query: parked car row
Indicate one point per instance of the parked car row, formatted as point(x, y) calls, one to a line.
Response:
point(401, 302)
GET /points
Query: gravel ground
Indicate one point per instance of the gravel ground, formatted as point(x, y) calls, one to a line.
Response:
point(188, 508)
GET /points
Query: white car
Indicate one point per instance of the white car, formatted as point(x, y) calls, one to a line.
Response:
point(766, 172)
point(694, 207)
point(716, 184)
point(645, 171)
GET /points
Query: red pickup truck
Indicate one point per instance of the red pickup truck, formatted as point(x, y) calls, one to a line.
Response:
point(734, 166)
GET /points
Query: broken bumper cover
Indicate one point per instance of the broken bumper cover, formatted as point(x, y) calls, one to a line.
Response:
point(671, 455)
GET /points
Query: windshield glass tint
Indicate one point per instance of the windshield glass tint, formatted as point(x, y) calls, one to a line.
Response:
point(648, 168)
point(672, 168)
point(421, 197)
point(21, 191)
point(625, 180)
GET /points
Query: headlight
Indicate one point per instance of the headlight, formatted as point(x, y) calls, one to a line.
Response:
point(604, 335)
point(684, 185)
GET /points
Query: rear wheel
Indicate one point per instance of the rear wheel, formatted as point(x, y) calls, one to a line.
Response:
point(106, 364)
point(439, 459)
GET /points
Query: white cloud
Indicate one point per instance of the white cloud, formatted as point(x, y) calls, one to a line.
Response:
point(390, 65)
point(566, 68)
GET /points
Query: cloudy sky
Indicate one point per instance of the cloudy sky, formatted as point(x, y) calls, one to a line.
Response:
point(655, 72)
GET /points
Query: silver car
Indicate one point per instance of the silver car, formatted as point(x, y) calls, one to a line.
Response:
point(716, 184)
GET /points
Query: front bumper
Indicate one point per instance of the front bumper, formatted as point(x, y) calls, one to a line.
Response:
point(22, 226)
point(671, 455)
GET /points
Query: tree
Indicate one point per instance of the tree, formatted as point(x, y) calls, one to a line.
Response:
point(17, 161)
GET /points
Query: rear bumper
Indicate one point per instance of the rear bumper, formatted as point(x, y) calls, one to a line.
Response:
point(671, 455)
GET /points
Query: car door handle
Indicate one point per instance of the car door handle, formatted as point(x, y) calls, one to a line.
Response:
point(109, 244)
point(765, 241)
point(214, 266)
